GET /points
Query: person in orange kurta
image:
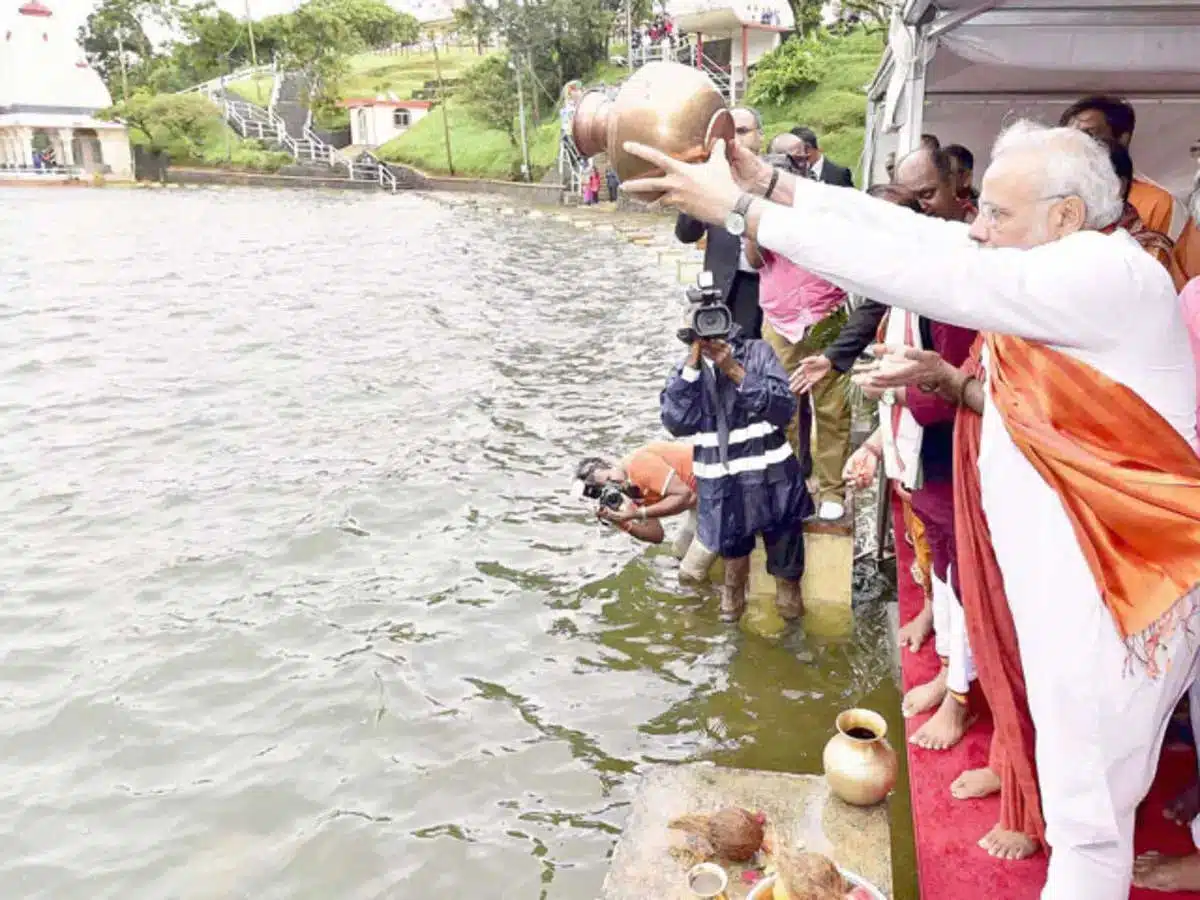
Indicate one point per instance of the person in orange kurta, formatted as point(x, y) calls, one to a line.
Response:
point(1112, 120)
point(1153, 242)
point(1187, 248)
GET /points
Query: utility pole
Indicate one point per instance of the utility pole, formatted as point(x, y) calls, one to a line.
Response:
point(437, 65)
point(537, 110)
point(521, 110)
point(629, 33)
point(253, 55)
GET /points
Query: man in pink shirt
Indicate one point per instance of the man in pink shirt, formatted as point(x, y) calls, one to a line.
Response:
point(802, 314)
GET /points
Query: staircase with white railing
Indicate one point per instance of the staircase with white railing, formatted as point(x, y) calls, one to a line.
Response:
point(295, 133)
point(689, 55)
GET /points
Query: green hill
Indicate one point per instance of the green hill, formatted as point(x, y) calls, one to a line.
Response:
point(835, 108)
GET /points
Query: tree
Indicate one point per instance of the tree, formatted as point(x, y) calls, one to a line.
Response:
point(808, 15)
point(179, 122)
point(852, 12)
point(115, 42)
point(476, 20)
point(490, 92)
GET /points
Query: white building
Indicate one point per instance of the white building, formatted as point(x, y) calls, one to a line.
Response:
point(49, 97)
point(731, 36)
point(375, 121)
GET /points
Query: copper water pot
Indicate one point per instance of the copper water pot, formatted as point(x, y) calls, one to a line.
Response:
point(860, 765)
point(668, 106)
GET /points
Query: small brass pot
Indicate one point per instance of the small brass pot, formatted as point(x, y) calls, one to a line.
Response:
point(860, 765)
point(671, 107)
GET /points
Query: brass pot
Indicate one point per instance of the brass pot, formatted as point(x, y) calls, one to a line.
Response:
point(860, 765)
point(668, 106)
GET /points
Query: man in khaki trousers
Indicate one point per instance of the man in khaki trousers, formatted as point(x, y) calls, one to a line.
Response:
point(824, 454)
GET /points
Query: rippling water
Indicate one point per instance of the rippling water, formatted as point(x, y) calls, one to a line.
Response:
point(295, 603)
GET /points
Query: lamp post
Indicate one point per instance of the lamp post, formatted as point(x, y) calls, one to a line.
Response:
point(521, 116)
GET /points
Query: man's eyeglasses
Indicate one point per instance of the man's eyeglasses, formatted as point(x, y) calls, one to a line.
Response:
point(996, 216)
point(744, 129)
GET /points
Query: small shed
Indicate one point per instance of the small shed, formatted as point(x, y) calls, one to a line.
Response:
point(376, 120)
point(963, 69)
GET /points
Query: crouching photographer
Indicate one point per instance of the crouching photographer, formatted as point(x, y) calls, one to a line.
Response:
point(731, 396)
point(652, 483)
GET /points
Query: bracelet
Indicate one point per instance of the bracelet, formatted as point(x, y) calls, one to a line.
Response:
point(771, 186)
point(962, 390)
point(642, 514)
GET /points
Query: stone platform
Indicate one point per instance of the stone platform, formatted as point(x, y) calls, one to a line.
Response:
point(801, 809)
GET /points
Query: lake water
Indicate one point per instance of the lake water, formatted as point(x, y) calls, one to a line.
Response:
point(295, 602)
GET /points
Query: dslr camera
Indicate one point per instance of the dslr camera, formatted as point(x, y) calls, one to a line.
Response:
point(608, 494)
point(708, 318)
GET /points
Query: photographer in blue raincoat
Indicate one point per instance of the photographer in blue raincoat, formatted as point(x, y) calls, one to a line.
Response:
point(732, 399)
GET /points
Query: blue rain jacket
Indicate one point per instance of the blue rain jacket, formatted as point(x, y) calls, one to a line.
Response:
point(748, 479)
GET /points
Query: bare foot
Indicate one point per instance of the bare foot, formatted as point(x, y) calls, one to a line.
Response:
point(1011, 845)
point(946, 728)
point(918, 629)
point(975, 783)
point(1167, 873)
point(1185, 807)
point(924, 697)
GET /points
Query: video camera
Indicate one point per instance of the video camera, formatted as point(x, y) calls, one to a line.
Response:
point(609, 494)
point(710, 319)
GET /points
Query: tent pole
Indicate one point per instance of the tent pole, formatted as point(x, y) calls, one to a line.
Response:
point(914, 89)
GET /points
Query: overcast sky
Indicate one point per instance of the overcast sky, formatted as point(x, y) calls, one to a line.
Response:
point(74, 12)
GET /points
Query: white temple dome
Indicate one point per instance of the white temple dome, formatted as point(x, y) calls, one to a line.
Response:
point(42, 69)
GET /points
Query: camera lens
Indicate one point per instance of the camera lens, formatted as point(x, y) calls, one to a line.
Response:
point(712, 321)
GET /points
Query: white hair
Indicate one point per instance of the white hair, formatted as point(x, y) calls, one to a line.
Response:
point(1069, 163)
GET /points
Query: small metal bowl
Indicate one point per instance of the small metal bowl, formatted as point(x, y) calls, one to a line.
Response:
point(712, 869)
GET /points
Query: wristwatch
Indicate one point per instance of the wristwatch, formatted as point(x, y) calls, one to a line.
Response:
point(735, 222)
point(888, 397)
point(641, 514)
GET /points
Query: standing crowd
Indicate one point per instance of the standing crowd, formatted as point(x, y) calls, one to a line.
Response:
point(1034, 348)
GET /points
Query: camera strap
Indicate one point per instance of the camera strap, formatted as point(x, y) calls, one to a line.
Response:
point(708, 378)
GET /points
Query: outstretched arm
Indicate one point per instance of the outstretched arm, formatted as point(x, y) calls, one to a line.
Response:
point(1065, 293)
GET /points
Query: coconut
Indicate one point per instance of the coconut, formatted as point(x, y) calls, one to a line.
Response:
point(808, 876)
point(735, 833)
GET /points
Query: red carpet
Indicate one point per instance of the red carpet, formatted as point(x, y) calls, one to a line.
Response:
point(950, 865)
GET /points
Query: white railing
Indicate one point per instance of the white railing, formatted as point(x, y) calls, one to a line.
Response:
point(215, 85)
point(252, 121)
point(571, 165)
point(56, 173)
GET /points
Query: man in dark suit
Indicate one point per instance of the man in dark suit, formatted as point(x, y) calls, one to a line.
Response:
point(820, 168)
point(733, 276)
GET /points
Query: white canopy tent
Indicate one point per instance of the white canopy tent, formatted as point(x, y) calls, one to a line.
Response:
point(962, 69)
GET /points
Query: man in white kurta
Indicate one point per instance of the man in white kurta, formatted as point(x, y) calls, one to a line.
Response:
point(1044, 274)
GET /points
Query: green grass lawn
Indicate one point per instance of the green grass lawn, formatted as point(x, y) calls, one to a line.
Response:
point(256, 88)
point(835, 109)
point(372, 74)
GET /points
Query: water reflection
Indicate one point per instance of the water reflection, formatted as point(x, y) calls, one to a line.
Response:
point(296, 604)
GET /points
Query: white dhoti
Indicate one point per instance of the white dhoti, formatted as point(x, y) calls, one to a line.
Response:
point(1099, 717)
point(950, 637)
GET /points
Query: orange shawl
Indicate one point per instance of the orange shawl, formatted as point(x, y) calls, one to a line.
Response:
point(991, 632)
point(1128, 481)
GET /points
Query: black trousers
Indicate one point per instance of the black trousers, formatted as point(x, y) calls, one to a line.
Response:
point(743, 303)
point(785, 550)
